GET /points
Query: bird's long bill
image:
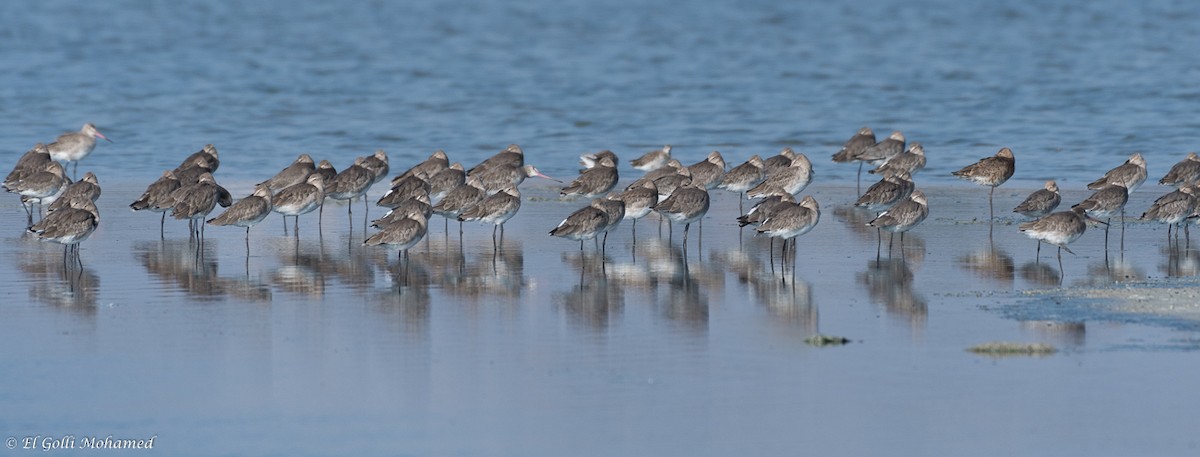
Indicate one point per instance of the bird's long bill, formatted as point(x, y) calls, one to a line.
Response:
point(1098, 221)
point(101, 135)
point(542, 175)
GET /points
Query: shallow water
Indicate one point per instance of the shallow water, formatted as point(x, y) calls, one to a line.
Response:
point(315, 345)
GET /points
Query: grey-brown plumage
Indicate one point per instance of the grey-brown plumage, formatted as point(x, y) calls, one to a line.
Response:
point(190, 173)
point(208, 153)
point(904, 216)
point(707, 173)
point(614, 211)
point(743, 177)
point(591, 160)
point(402, 234)
point(792, 179)
point(495, 209)
point(583, 224)
point(426, 170)
point(70, 225)
point(497, 177)
point(41, 184)
point(326, 171)
point(1040, 202)
point(1059, 229)
point(667, 184)
point(351, 183)
point(990, 171)
point(652, 160)
point(299, 199)
point(1129, 175)
point(909, 161)
point(594, 181)
point(378, 164)
point(510, 157)
point(1105, 203)
point(854, 147)
point(195, 201)
point(1184, 173)
point(638, 201)
point(459, 199)
point(446, 180)
point(886, 193)
point(418, 204)
point(780, 161)
point(88, 187)
point(791, 220)
point(762, 210)
point(670, 167)
point(1173, 208)
point(291, 175)
point(404, 190)
point(31, 162)
point(74, 146)
point(684, 206)
point(157, 197)
point(247, 212)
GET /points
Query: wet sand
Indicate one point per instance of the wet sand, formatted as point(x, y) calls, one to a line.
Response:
point(317, 345)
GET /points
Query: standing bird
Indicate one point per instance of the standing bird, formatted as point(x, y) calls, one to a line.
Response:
point(792, 179)
point(652, 160)
point(1129, 175)
point(1105, 203)
point(326, 171)
point(69, 226)
point(853, 149)
point(591, 160)
point(497, 177)
point(189, 173)
point(88, 187)
point(511, 156)
point(416, 205)
point(291, 175)
point(74, 146)
point(707, 173)
point(194, 201)
point(763, 210)
point(247, 212)
point(157, 197)
point(299, 199)
point(1184, 173)
point(436, 162)
point(1059, 229)
point(614, 210)
point(378, 164)
point(638, 201)
point(742, 177)
point(1041, 202)
point(404, 190)
point(780, 161)
point(496, 209)
point(909, 161)
point(458, 200)
point(594, 181)
point(902, 217)
point(208, 153)
point(791, 221)
point(402, 234)
point(990, 171)
point(684, 206)
point(446, 180)
point(883, 195)
point(40, 186)
point(583, 224)
point(1173, 209)
point(351, 183)
point(31, 162)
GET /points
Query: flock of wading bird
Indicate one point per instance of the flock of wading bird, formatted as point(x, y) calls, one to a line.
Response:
point(488, 192)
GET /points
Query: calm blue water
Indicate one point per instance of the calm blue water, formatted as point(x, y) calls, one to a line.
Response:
point(318, 346)
point(1073, 89)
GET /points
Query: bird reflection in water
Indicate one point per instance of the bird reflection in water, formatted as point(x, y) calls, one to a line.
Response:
point(890, 282)
point(1112, 270)
point(192, 268)
point(68, 286)
point(1179, 261)
point(1041, 273)
point(595, 301)
point(990, 262)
